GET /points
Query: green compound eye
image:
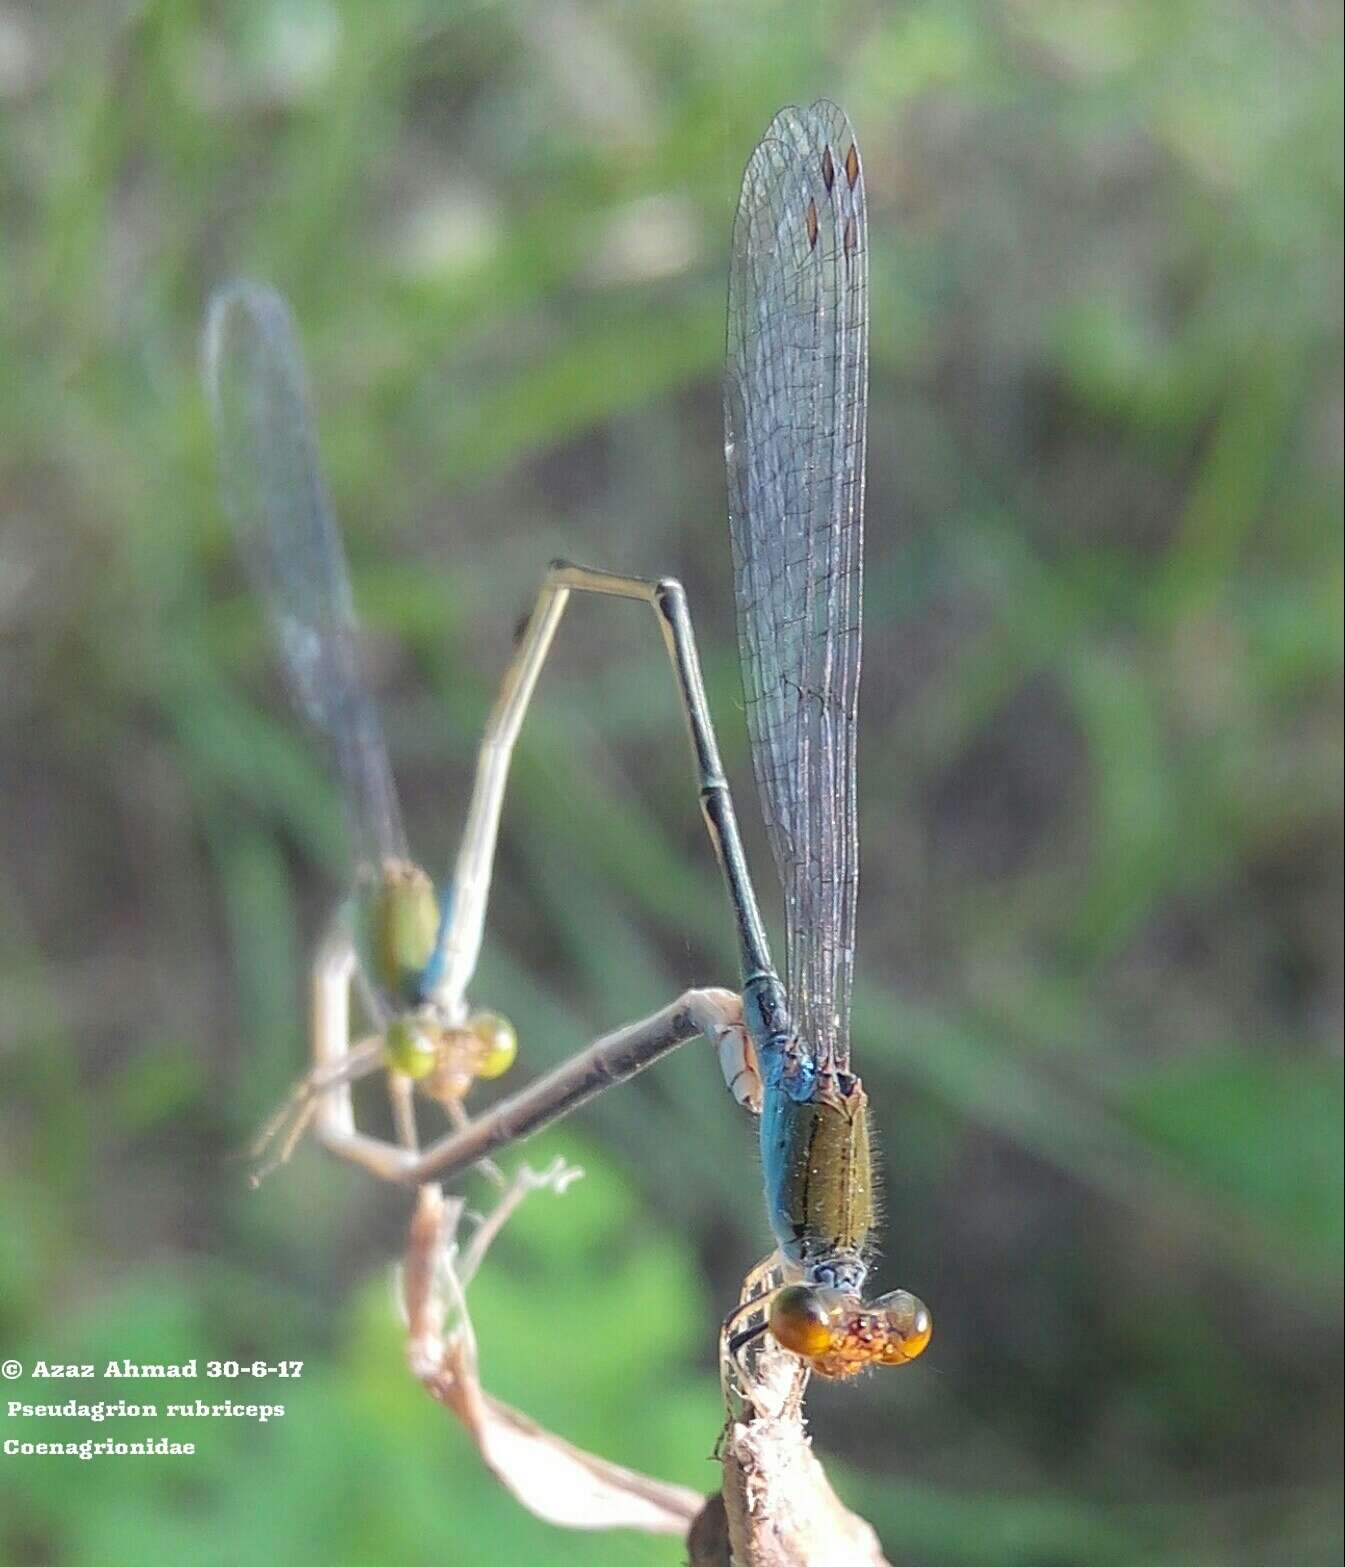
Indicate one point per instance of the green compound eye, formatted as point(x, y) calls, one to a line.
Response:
point(413, 1050)
point(498, 1041)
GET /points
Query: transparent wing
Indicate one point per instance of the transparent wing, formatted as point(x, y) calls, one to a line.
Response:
point(795, 398)
point(278, 505)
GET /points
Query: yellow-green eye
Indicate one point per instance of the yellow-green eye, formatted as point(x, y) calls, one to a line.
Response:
point(801, 1320)
point(412, 1049)
point(498, 1042)
point(909, 1326)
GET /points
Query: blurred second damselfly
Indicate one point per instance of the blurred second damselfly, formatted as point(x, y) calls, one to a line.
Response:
point(410, 951)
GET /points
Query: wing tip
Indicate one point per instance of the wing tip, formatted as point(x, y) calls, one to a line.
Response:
point(259, 303)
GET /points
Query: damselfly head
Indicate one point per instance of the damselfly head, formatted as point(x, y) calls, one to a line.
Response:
point(484, 1046)
point(839, 1334)
point(496, 1043)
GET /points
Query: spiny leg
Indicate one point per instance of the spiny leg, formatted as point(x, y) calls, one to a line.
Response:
point(297, 1110)
point(755, 1371)
point(753, 1303)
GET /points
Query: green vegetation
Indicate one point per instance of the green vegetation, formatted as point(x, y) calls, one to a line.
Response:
point(1099, 1009)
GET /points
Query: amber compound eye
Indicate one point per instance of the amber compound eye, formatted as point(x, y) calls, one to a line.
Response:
point(803, 1319)
point(908, 1326)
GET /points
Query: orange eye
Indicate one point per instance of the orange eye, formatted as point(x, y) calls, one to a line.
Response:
point(801, 1320)
point(908, 1325)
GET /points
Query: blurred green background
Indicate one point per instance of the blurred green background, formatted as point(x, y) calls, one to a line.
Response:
point(1099, 1006)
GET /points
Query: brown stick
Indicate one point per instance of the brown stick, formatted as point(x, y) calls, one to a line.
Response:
point(776, 1507)
point(610, 1060)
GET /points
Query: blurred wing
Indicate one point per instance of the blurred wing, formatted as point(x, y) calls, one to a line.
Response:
point(795, 399)
point(278, 505)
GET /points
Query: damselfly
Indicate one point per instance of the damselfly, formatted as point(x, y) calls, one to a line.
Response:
point(411, 953)
point(795, 410)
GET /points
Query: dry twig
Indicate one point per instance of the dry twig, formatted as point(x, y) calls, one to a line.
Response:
point(776, 1507)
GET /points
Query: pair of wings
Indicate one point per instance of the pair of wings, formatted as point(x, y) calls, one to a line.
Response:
point(794, 400)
